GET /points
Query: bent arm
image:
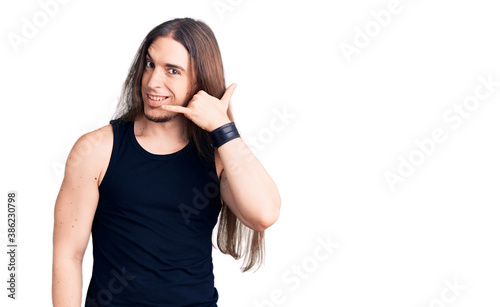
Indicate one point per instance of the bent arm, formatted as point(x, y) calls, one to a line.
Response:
point(246, 187)
point(73, 215)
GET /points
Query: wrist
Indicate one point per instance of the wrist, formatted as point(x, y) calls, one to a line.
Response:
point(219, 124)
point(224, 134)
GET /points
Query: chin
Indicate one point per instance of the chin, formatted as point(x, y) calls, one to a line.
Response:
point(159, 118)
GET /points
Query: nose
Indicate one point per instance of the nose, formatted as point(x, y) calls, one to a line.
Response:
point(156, 78)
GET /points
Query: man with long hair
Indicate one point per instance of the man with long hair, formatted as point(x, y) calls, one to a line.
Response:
point(151, 185)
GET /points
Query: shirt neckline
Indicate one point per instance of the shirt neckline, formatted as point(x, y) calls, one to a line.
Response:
point(152, 155)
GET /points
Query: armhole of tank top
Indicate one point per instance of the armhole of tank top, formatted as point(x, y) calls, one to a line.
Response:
point(112, 159)
point(213, 167)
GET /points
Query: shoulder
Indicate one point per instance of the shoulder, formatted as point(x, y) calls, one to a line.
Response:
point(92, 151)
point(93, 143)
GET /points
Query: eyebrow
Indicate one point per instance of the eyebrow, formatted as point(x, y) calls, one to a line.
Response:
point(168, 64)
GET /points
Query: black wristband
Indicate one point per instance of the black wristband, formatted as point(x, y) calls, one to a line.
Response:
point(223, 134)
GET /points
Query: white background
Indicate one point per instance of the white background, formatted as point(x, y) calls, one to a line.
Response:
point(349, 121)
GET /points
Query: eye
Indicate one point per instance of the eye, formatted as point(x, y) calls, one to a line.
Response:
point(150, 64)
point(173, 71)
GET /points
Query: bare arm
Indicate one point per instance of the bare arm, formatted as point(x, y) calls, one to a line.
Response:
point(74, 212)
point(246, 187)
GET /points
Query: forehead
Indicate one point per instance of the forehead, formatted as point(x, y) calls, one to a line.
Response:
point(165, 50)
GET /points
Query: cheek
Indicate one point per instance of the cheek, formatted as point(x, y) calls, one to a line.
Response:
point(179, 88)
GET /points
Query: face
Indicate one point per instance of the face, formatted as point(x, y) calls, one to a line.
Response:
point(166, 79)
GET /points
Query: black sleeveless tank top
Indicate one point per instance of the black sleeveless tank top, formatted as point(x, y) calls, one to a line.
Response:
point(152, 229)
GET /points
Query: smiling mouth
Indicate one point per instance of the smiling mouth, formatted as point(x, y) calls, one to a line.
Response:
point(157, 98)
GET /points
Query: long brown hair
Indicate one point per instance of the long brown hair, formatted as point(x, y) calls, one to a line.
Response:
point(233, 237)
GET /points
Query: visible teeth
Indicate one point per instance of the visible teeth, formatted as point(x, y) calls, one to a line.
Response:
point(156, 98)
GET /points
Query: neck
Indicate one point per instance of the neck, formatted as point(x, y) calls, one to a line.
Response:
point(173, 131)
